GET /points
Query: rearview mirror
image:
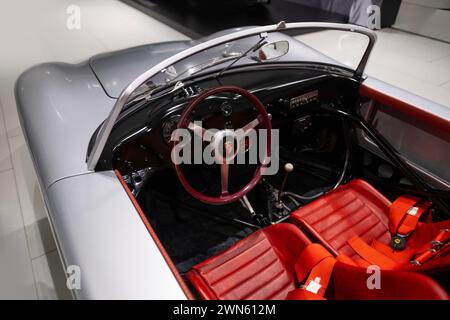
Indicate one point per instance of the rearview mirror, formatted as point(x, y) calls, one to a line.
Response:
point(273, 50)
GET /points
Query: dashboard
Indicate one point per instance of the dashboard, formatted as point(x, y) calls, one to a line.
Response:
point(294, 108)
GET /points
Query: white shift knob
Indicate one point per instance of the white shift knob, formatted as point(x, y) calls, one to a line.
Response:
point(288, 167)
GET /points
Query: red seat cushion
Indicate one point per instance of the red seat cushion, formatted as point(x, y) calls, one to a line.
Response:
point(350, 283)
point(260, 266)
point(355, 208)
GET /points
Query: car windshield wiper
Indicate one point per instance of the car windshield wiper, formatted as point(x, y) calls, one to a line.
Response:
point(148, 89)
point(143, 91)
point(261, 42)
point(148, 94)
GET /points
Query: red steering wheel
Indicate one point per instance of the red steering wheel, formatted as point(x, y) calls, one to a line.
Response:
point(221, 138)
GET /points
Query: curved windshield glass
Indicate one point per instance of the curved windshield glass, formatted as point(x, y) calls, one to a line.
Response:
point(334, 47)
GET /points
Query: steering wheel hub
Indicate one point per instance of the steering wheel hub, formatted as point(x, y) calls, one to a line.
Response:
point(225, 144)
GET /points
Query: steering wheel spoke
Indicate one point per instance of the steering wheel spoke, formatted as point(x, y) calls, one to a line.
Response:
point(252, 124)
point(224, 176)
point(204, 134)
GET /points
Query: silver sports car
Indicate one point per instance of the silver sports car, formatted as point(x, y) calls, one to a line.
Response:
point(256, 163)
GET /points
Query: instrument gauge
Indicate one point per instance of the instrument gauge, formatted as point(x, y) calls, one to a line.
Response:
point(168, 127)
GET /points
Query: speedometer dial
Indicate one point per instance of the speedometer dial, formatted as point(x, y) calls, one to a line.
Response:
point(168, 127)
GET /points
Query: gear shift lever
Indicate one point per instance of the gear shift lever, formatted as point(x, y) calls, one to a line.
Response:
point(288, 168)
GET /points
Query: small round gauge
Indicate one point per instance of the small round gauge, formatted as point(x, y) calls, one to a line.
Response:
point(168, 127)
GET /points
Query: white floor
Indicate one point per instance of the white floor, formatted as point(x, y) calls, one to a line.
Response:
point(35, 31)
point(32, 32)
point(414, 63)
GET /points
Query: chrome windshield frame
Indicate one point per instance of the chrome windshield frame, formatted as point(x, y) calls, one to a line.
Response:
point(108, 124)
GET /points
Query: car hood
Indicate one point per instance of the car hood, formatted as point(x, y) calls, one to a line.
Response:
point(115, 70)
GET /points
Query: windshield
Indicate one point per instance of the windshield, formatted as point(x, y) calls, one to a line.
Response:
point(299, 43)
point(334, 47)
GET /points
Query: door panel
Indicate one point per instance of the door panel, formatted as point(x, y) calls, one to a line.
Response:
point(420, 136)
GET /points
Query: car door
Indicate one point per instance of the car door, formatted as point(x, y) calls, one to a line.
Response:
point(418, 129)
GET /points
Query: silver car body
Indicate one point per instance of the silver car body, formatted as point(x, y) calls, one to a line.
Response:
point(94, 222)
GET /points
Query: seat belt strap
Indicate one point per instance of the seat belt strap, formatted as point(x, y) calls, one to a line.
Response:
point(320, 276)
point(400, 257)
point(442, 238)
point(370, 254)
point(405, 213)
point(316, 261)
point(310, 257)
point(440, 244)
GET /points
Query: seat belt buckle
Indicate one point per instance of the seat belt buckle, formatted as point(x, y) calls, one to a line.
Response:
point(398, 242)
point(439, 241)
point(427, 255)
point(436, 244)
point(415, 263)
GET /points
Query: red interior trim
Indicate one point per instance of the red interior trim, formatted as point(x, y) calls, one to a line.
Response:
point(152, 232)
point(406, 108)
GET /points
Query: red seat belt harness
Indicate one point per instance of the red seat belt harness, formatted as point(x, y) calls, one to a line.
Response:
point(314, 269)
point(405, 213)
point(370, 254)
point(439, 246)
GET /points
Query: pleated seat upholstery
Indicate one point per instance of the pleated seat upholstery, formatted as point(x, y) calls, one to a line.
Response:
point(259, 267)
point(355, 208)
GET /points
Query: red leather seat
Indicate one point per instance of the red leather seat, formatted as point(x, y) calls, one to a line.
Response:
point(262, 266)
point(356, 209)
